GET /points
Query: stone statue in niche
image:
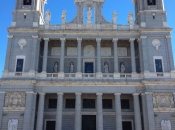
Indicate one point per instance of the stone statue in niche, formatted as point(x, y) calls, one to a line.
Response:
point(165, 125)
point(13, 124)
point(89, 15)
point(151, 2)
point(114, 18)
point(106, 68)
point(163, 100)
point(55, 68)
point(71, 67)
point(122, 67)
point(63, 16)
point(47, 17)
point(130, 18)
point(27, 2)
point(15, 100)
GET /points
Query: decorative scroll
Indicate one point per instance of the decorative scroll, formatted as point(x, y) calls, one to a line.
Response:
point(163, 100)
point(15, 100)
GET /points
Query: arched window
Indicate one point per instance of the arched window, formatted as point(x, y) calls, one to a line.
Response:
point(151, 2)
point(27, 2)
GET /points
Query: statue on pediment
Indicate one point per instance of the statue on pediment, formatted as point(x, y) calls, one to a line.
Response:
point(55, 68)
point(122, 67)
point(63, 16)
point(71, 67)
point(130, 18)
point(114, 19)
point(106, 68)
point(47, 17)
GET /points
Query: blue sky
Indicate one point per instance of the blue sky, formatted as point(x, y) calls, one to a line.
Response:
point(56, 6)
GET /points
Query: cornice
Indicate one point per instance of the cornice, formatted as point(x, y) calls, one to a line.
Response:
point(155, 29)
point(23, 29)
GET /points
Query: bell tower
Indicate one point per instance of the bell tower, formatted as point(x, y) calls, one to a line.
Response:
point(28, 13)
point(150, 13)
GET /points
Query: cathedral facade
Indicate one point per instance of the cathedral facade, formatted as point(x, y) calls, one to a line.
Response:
point(88, 74)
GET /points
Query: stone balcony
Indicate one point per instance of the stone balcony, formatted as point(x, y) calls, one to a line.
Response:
point(119, 27)
point(118, 76)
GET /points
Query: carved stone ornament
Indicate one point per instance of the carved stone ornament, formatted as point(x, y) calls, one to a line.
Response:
point(165, 125)
point(163, 100)
point(13, 124)
point(15, 100)
point(89, 0)
point(89, 51)
point(22, 43)
point(156, 43)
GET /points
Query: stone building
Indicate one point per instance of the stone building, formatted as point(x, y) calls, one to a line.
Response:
point(88, 74)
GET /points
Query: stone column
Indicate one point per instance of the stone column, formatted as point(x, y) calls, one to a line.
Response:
point(115, 40)
point(150, 110)
point(99, 118)
point(145, 60)
point(79, 55)
point(170, 53)
point(62, 55)
point(33, 111)
point(2, 96)
point(144, 110)
point(45, 54)
point(133, 60)
point(137, 115)
point(99, 75)
point(78, 112)
point(59, 111)
point(34, 54)
point(8, 54)
point(40, 115)
point(118, 112)
point(28, 111)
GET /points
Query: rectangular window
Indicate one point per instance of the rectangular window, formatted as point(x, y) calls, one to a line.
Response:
point(50, 125)
point(158, 65)
point(125, 104)
point(127, 125)
point(52, 103)
point(151, 2)
point(107, 103)
point(89, 103)
point(70, 103)
point(19, 65)
point(27, 2)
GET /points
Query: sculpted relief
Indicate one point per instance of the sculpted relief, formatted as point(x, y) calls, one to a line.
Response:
point(163, 100)
point(165, 125)
point(15, 100)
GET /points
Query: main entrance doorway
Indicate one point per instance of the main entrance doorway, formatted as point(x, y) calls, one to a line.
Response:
point(89, 67)
point(88, 122)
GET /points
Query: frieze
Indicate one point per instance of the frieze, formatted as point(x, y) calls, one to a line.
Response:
point(17, 82)
point(15, 100)
point(163, 100)
point(159, 82)
point(88, 84)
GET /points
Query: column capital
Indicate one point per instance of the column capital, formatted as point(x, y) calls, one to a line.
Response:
point(98, 39)
point(143, 37)
point(131, 39)
point(117, 94)
point(148, 93)
point(42, 93)
point(169, 36)
point(79, 39)
point(99, 94)
point(63, 39)
point(60, 93)
point(136, 94)
point(10, 36)
point(34, 37)
point(46, 39)
point(78, 94)
point(114, 39)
